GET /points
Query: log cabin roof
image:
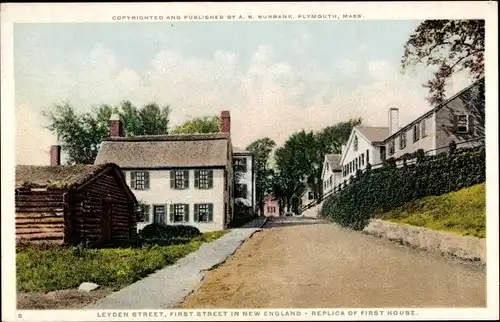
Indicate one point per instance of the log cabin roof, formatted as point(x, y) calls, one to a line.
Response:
point(57, 177)
point(165, 151)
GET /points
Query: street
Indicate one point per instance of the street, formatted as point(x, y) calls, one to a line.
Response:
point(303, 263)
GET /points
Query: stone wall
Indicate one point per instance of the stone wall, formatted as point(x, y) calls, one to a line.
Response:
point(464, 247)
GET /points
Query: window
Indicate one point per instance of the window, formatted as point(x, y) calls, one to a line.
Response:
point(402, 141)
point(203, 212)
point(240, 191)
point(355, 143)
point(204, 179)
point(367, 156)
point(240, 164)
point(179, 213)
point(423, 130)
point(331, 180)
point(139, 180)
point(462, 123)
point(143, 213)
point(159, 214)
point(327, 166)
point(416, 132)
point(310, 195)
point(179, 179)
point(382, 153)
point(391, 147)
point(363, 159)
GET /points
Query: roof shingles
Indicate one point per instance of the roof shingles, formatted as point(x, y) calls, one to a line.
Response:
point(165, 151)
point(55, 177)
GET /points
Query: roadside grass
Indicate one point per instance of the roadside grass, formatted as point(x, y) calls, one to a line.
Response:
point(44, 269)
point(461, 212)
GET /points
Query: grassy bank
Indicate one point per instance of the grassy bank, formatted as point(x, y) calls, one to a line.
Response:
point(57, 268)
point(462, 212)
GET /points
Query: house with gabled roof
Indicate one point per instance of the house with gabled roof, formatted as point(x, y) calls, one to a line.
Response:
point(459, 119)
point(184, 179)
point(364, 146)
point(331, 175)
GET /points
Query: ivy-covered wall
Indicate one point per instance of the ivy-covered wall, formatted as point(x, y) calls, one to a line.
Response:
point(383, 189)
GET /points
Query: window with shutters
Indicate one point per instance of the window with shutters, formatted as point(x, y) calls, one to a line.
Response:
point(203, 212)
point(159, 214)
point(362, 159)
point(462, 123)
point(402, 141)
point(423, 129)
point(416, 132)
point(240, 191)
point(179, 179)
point(392, 148)
point(240, 164)
point(367, 156)
point(139, 180)
point(203, 179)
point(179, 213)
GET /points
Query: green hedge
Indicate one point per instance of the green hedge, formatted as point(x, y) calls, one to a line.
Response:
point(383, 189)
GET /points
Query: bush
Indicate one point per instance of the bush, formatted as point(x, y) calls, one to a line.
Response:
point(386, 188)
point(169, 232)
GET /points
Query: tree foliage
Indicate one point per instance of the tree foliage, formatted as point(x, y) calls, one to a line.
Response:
point(204, 124)
point(262, 149)
point(448, 45)
point(80, 134)
point(299, 162)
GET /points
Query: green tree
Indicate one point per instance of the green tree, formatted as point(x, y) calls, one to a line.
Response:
point(448, 45)
point(80, 134)
point(204, 124)
point(262, 149)
point(299, 162)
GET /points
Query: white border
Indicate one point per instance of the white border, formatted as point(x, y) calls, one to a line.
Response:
point(104, 12)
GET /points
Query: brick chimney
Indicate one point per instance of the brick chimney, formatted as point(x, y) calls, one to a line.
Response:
point(225, 122)
point(393, 120)
point(115, 126)
point(55, 155)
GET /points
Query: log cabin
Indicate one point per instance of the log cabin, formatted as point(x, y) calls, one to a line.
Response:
point(73, 204)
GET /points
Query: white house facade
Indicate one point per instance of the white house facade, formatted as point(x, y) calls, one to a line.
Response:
point(332, 173)
point(364, 146)
point(178, 179)
point(244, 170)
point(459, 119)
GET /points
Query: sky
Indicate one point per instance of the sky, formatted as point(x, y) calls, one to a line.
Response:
point(275, 77)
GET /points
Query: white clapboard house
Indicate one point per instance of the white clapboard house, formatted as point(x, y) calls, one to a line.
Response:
point(179, 179)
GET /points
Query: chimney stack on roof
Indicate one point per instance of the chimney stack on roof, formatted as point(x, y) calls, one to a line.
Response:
point(225, 122)
point(393, 120)
point(115, 126)
point(55, 155)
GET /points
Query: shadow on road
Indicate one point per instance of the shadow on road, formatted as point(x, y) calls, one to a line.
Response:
point(273, 222)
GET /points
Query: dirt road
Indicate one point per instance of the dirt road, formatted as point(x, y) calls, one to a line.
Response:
point(293, 265)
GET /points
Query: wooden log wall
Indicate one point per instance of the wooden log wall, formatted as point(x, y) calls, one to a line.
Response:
point(88, 217)
point(40, 216)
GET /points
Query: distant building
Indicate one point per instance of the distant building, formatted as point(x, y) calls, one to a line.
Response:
point(271, 206)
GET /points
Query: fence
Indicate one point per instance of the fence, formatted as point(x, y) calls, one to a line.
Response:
point(406, 159)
